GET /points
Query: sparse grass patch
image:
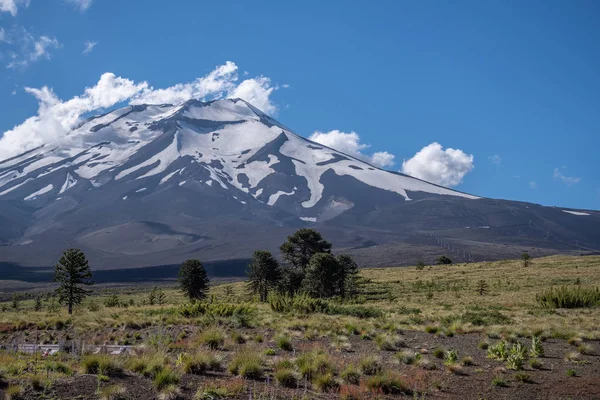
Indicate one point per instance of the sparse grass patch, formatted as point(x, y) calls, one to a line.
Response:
point(351, 374)
point(498, 381)
point(326, 383)
point(247, 364)
point(387, 383)
point(284, 343)
point(571, 373)
point(370, 365)
point(166, 377)
point(314, 363)
point(569, 297)
point(101, 365)
point(213, 338)
point(523, 377)
point(438, 352)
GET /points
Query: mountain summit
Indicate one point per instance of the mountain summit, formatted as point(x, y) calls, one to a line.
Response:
point(152, 185)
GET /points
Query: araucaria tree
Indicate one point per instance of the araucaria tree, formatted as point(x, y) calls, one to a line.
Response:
point(193, 280)
point(525, 257)
point(347, 277)
point(297, 252)
point(263, 273)
point(323, 276)
point(72, 274)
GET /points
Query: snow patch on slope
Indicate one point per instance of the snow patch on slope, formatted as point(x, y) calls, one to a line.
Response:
point(575, 212)
point(69, 183)
point(40, 192)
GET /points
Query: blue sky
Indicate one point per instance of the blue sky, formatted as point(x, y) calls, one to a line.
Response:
point(514, 84)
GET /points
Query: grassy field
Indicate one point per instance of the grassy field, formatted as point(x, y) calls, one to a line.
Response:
point(397, 339)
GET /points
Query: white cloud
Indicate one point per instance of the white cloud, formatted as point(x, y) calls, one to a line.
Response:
point(3, 37)
point(11, 6)
point(350, 144)
point(55, 117)
point(496, 159)
point(32, 48)
point(81, 4)
point(89, 46)
point(533, 185)
point(567, 180)
point(443, 167)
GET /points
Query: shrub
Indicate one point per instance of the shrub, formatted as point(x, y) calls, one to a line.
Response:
point(216, 309)
point(537, 349)
point(351, 374)
point(406, 357)
point(314, 363)
point(466, 360)
point(571, 373)
point(101, 365)
point(286, 377)
point(326, 383)
point(515, 362)
point(569, 297)
point(535, 363)
point(200, 364)
point(247, 364)
point(284, 343)
point(438, 352)
point(304, 304)
point(431, 329)
point(387, 384)
point(370, 365)
point(523, 378)
point(213, 338)
point(166, 377)
point(498, 351)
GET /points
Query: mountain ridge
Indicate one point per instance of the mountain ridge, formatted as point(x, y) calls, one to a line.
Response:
point(155, 183)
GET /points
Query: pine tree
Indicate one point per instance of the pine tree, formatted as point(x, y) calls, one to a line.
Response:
point(322, 275)
point(443, 260)
point(72, 273)
point(347, 276)
point(263, 273)
point(193, 280)
point(38, 303)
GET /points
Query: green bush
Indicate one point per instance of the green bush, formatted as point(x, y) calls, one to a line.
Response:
point(569, 297)
point(304, 304)
point(200, 364)
point(438, 352)
point(537, 349)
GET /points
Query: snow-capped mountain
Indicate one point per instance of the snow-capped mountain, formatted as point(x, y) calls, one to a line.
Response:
point(150, 183)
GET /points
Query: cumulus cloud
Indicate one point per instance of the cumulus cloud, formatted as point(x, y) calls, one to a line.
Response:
point(11, 6)
point(32, 48)
point(533, 184)
point(443, 167)
point(89, 46)
point(56, 117)
point(82, 5)
point(495, 159)
point(350, 144)
point(567, 180)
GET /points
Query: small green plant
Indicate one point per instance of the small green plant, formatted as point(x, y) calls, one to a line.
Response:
point(584, 348)
point(270, 352)
point(466, 361)
point(312, 364)
point(431, 329)
point(523, 377)
point(499, 381)
point(370, 365)
point(498, 351)
point(112, 392)
point(450, 357)
point(515, 362)
point(483, 345)
point(13, 392)
point(537, 349)
point(238, 338)
point(569, 297)
point(571, 373)
point(384, 342)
